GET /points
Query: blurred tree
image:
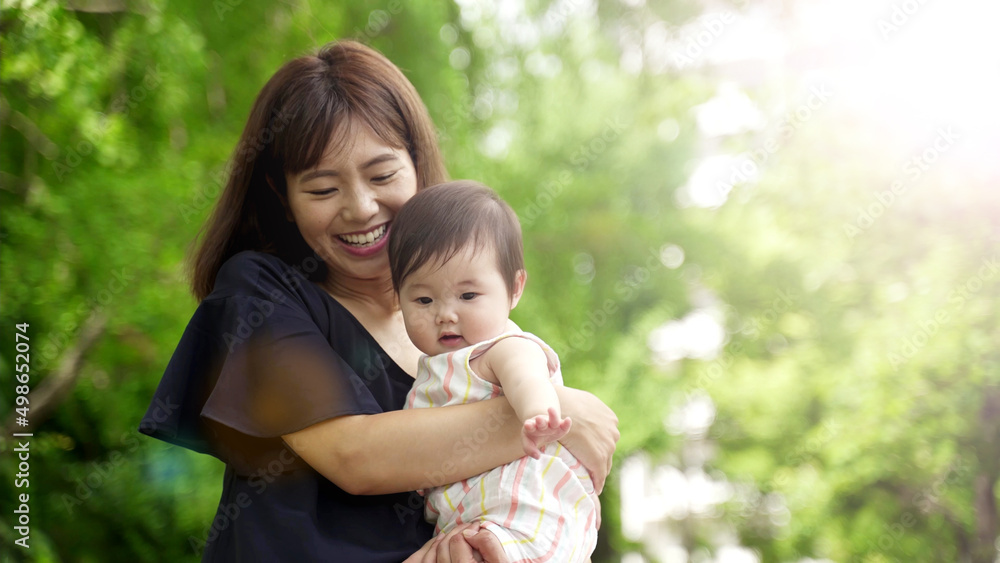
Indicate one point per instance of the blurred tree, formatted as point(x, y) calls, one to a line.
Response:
point(857, 397)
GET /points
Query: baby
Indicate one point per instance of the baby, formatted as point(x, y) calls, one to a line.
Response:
point(458, 268)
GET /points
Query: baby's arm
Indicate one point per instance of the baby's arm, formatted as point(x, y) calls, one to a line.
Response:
point(521, 368)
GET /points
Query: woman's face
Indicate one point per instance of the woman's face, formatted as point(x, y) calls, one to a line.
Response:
point(344, 206)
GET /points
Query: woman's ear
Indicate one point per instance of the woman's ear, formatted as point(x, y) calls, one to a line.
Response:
point(282, 199)
point(520, 278)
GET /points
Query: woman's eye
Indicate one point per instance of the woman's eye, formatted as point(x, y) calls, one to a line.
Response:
point(324, 192)
point(469, 296)
point(384, 177)
point(424, 300)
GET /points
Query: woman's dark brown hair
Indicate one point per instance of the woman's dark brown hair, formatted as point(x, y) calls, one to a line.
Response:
point(437, 223)
point(307, 105)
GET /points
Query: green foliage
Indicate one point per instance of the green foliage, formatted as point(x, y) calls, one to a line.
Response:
point(852, 419)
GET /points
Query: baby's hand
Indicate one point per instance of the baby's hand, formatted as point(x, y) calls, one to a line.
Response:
point(541, 430)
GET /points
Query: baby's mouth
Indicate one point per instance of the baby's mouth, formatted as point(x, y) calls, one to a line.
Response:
point(450, 339)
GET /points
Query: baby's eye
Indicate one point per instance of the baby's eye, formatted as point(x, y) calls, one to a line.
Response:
point(423, 300)
point(469, 296)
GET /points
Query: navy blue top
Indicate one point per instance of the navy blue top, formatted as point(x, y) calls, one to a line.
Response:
point(268, 353)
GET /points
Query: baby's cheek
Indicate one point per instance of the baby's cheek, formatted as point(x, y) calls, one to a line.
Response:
point(417, 325)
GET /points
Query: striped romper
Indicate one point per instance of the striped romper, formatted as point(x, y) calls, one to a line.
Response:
point(540, 509)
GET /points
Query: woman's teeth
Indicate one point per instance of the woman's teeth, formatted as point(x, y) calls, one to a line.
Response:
point(366, 239)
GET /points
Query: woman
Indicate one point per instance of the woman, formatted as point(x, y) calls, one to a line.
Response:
point(294, 367)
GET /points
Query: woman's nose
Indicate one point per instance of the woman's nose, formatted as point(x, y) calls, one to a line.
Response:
point(362, 206)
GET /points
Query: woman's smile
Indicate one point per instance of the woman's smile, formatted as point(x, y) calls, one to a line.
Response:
point(365, 243)
point(365, 238)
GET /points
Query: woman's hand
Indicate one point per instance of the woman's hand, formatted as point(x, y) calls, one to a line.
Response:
point(464, 544)
point(597, 508)
point(594, 433)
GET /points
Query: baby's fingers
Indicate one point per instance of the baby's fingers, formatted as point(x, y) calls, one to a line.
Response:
point(530, 426)
point(542, 423)
point(554, 420)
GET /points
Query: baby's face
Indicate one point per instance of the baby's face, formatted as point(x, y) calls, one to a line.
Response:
point(456, 304)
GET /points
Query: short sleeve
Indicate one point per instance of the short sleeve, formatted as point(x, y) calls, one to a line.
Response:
point(555, 373)
point(257, 361)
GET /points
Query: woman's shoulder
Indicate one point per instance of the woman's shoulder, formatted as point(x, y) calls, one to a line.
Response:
point(258, 281)
point(258, 274)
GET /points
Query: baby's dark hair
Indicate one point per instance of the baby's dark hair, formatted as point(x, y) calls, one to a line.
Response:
point(441, 220)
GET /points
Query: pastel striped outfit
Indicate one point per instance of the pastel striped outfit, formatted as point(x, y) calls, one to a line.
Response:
point(540, 509)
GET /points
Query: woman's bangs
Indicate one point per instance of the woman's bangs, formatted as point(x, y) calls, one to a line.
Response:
point(332, 132)
point(309, 136)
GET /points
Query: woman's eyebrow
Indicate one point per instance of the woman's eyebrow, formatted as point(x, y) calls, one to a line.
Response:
point(317, 173)
point(386, 157)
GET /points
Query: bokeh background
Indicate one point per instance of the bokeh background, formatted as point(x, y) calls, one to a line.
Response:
point(767, 233)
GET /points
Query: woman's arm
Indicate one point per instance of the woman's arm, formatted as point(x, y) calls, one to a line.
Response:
point(411, 449)
point(594, 434)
